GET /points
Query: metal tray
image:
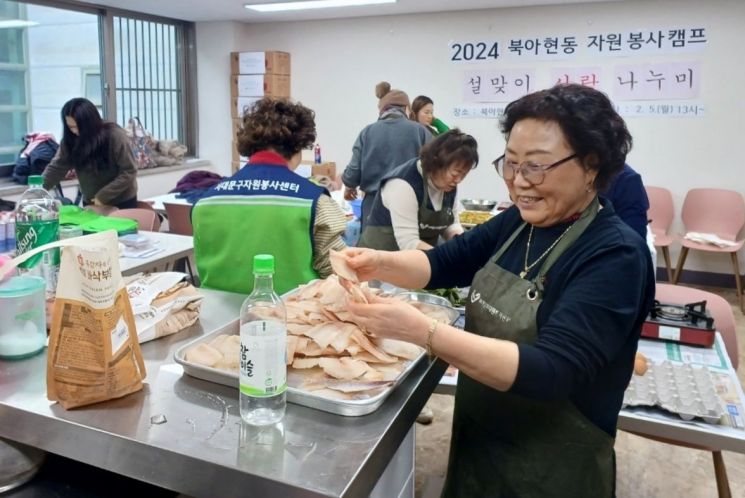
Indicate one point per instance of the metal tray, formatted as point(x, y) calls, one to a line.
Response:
point(349, 408)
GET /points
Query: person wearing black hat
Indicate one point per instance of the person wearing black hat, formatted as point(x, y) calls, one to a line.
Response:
point(381, 146)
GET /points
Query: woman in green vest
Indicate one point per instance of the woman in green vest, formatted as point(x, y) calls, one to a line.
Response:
point(559, 289)
point(422, 111)
point(267, 208)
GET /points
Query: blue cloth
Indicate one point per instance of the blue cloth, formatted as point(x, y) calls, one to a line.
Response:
point(626, 192)
point(267, 180)
point(597, 295)
point(192, 196)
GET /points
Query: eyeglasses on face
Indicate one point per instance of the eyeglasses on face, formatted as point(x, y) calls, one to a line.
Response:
point(532, 173)
point(457, 172)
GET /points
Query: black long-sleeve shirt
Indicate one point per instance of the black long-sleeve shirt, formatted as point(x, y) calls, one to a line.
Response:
point(597, 294)
point(629, 199)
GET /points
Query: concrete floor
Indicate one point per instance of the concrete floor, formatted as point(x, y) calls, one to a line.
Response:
point(646, 468)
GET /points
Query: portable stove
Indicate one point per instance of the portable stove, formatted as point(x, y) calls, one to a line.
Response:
point(688, 323)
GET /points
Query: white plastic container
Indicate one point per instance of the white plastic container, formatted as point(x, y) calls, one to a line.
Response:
point(23, 329)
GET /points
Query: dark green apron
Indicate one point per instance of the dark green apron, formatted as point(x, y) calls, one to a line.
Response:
point(431, 224)
point(506, 445)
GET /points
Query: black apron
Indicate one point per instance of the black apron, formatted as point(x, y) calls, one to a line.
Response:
point(506, 445)
point(432, 223)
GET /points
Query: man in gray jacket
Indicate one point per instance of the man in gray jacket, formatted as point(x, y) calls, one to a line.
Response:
point(381, 146)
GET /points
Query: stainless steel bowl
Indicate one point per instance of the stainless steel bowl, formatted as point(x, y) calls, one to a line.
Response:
point(424, 297)
point(427, 300)
point(478, 204)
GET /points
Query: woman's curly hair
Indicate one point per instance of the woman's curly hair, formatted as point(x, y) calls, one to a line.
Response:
point(451, 147)
point(591, 125)
point(277, 124)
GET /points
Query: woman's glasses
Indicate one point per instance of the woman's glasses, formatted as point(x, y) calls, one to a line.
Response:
point(457, 173)
point(532, 173)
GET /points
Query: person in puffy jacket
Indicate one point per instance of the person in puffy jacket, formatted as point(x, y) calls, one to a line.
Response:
point(38, 152)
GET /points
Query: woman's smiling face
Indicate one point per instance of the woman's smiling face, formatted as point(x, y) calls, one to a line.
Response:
point(566, 189)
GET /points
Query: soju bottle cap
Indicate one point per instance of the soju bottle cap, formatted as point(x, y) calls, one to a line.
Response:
point(263, 264)
point(36, 180)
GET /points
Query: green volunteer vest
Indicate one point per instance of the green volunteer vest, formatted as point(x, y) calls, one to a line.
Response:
point(230, 230)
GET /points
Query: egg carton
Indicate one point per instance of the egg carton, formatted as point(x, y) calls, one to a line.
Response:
point(679, 388)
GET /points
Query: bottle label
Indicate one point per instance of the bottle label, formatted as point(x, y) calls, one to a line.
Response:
point(30, 235)
point(263, 368)
point(317, 154)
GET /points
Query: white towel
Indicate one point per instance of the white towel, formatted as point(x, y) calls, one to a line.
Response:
point(709, 238)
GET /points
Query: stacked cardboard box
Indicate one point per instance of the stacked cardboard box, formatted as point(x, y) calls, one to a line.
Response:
point(260, 63)
point(254, 75)
point(259, 85)
point(326, 168)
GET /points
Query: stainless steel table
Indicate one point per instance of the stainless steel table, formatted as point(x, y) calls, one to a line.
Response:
point(202, 449)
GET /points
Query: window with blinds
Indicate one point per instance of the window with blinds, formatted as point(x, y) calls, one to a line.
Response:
point(148, 75)
point(127, 63)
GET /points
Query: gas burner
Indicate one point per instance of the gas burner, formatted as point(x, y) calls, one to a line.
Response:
point(687, 323)
point(669, 311)
point(690, 314)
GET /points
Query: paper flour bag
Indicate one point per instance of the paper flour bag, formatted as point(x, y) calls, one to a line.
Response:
point(93, 351)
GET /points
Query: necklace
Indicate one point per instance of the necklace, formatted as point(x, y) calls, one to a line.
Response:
point(527, 267)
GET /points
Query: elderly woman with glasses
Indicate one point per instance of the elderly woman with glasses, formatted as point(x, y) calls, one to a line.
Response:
point(418, 204)
point(559, 289)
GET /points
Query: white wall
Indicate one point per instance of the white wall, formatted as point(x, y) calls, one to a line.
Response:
point(215, 41)
point(336, 64)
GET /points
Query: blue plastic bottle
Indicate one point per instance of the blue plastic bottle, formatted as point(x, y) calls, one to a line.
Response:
point(352, 233)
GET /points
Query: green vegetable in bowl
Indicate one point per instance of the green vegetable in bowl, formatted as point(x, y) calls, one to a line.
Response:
point(452, 294)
